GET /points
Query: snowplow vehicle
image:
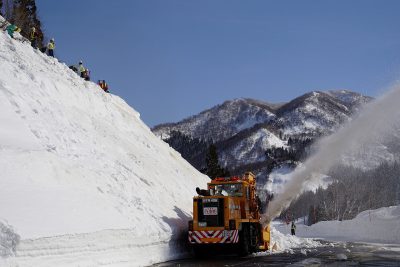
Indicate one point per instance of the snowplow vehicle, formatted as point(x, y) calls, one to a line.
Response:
point(227, 215)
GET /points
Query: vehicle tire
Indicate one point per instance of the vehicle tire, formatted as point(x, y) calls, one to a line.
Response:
point(244, 242)
point(254, 239)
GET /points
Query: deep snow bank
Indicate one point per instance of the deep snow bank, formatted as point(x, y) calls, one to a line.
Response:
point(287, 242)
point(378, 226)
point(83, 180)
point(8, 240)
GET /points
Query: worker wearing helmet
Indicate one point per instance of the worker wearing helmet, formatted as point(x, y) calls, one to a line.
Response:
point(50, 47)
point(11, 29)
point(33, 36)
point(86, 75)
point(81, 69)
point(103, 85)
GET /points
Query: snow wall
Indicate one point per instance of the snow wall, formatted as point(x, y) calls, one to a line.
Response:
point(83, 180)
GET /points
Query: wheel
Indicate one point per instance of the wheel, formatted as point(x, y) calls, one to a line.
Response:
point(244, 242)
point(254, 238)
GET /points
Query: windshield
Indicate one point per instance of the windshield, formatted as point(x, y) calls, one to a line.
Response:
point(233, 190)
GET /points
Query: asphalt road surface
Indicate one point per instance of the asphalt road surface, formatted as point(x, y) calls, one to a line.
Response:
point(330, 254)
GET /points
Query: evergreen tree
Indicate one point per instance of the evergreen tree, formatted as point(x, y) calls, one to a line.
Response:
point(25, 16)
point(213, 169)
point(191, 149)
point(312, 215)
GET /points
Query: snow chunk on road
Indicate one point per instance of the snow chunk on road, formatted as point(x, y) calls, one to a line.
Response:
point(286, 242)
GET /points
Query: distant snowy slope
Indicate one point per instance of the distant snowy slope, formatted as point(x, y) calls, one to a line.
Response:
point(249, 146)
point(222, 121)
point(77, 163)
point(319, 112)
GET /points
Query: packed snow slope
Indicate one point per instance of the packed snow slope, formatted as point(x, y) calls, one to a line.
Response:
point(83, 180)
point(378, 226)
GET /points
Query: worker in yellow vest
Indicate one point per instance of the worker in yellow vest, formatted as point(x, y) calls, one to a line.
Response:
point(81, 69)
point(50, 47)
point(33, 37)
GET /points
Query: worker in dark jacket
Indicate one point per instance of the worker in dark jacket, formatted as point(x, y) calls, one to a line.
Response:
point(293, 228)
point(86, 75)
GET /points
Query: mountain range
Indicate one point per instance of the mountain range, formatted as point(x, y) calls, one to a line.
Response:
point(244, 129)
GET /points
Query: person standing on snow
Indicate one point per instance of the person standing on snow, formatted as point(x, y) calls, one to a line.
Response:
point(84, 72)
point(50, 47)
point(86, 75)
point(11, 29)
point(293, 228)
point(103, 85)
point(33, 36)
point(81, 69)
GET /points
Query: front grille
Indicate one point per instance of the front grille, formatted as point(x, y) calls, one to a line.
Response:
point(211, 212)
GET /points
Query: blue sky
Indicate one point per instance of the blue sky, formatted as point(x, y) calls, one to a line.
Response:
point(170, 59)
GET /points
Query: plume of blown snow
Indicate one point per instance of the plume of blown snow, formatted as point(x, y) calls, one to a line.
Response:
point(374, 120)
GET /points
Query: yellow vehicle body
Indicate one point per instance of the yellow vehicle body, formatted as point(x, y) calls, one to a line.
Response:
point(228, 214)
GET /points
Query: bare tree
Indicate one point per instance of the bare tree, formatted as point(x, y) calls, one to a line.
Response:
point(352, 191)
